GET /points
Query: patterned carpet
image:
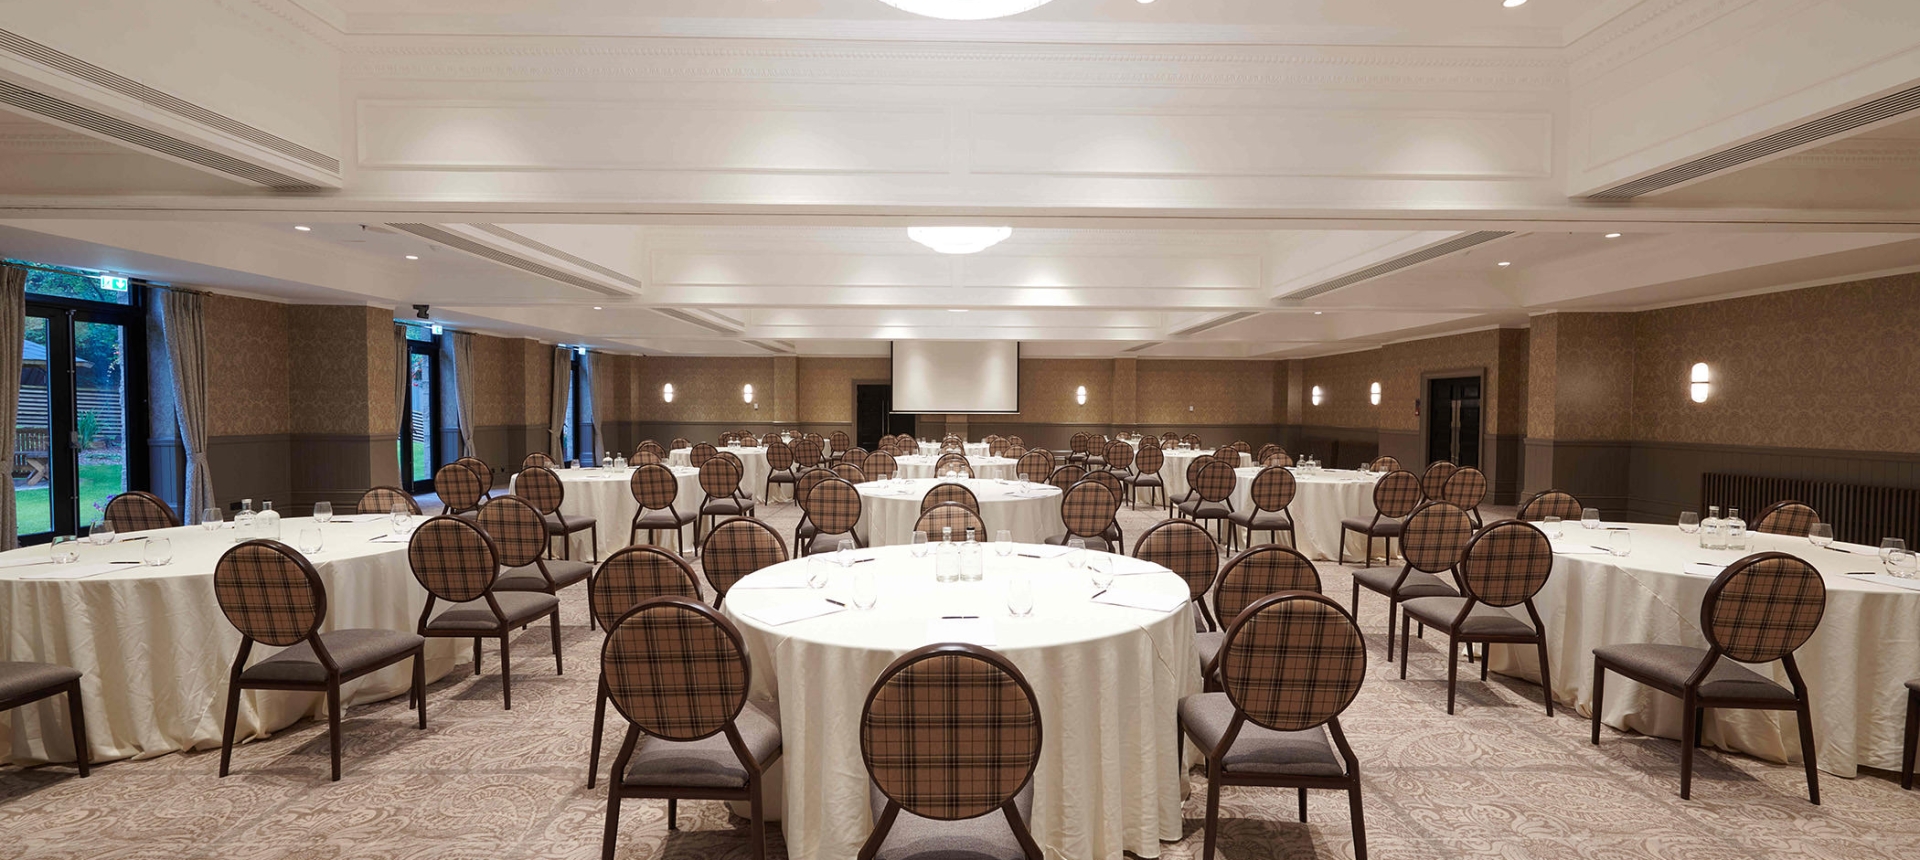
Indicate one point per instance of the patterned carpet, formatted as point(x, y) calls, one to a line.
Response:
point(1498, 780)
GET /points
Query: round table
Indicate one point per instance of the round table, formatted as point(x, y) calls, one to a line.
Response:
point(972, 449)
point(1320, 501)
point(1867, 646)
point(1108, 680)
point(156, 649)
point(1173, 470)
point(890, 509)
point(753, 470)
point(606, 495)
point(921, 466)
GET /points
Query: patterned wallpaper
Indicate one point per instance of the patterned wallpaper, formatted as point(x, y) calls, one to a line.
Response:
point(536, 374)
point(1593, 393)
point(327, 384)
point(246, 367)
point(499, 390)
point(1047, 387)
point(1543, 364)
point(705, 390)
point(1510, 392)
point(824, 386)
point(1404, 364)
point(1345, 380)
point(1126, 391)
point(1220, 392)
point(383, 417)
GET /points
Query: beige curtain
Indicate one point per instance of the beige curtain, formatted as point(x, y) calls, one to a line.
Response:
point(603, 400)
point(400, 363)
point(13, 333)
point(557, 415)
point(463, 384)
point(183, 323)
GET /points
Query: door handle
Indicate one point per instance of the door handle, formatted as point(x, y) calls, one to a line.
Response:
point(73, 439)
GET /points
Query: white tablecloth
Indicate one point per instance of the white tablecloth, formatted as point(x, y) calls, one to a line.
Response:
point(1320, 501)
point(1867, 647)
point(607, 496)
point(1108, 680)
point(973, 449)
point(921, 466)
point(1173, 470)
point(890, 509)
point(753, 471)
point(156, 649)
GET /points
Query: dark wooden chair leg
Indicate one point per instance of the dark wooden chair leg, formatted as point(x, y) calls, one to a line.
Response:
point(1689, 736)
point(1599, 696)
point(506, 674)
point(612, 833)
point(1303, 806)
point(557, 668)
point(1359, 820)
point(420, 682)
point(1546, 674)
point(1912, 744)
point(1805, 714)
point(1453, 666)
point(1213, 809)
point(599, 725)
point(77, 719)
point(476, 655)
point(233, 717)
point(673, 814)
point(333, 726)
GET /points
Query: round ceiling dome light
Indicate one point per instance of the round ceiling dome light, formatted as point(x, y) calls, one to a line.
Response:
point(965, 10)
point(959, 240)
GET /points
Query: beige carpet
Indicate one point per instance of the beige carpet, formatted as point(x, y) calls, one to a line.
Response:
point(1498, 780)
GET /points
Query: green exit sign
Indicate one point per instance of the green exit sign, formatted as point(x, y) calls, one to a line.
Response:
point(113, 284)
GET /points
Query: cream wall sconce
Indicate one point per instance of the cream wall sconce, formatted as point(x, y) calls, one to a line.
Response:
point(1318, 396)
point(666, 392)
point(746, 393)
point(1373, 394)
point(1701, 385)
point(1080, 395)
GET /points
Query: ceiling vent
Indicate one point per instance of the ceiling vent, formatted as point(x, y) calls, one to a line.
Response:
point(532, 267)
point(691, 319)
point(1142, 347)
point(1779, 142)
point(1214, 323)
point(1431, 252)
point(558, 254)
point(770, 347)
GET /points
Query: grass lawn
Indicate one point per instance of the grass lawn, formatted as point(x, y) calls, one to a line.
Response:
point(98, 483)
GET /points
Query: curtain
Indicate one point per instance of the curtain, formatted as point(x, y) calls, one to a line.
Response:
point(560, 389)
point(463, 383)
point(400, 385)
point(185, 331)
point(603, 400)
point(13, 333)
point(585, 409)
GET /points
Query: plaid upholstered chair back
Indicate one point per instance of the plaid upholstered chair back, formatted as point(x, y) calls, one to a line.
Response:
point(1278, 458)
point(956, 462)
point(1149, 459)
point(519, 532)
point(1169, 439)
point(1078, 444)
point(881, 466)
point(1014, 453)
point(675, 669)
point(1264, 451)
point(1106, 479)
point(1551, 503)
point(654, 487)
point(855, 456)
point(850, 473)
point(1434, 482)
point(1385, 464)
point(1088, 509)
point(767, 439)
point(737, 547)
point(1260, 571)
point(733, 458)
point(806, 452)
point(269, 592)
point(1273, 489)
point(636, 574)
point(998, 445)
point(841, 441)
point(481, 469)
point(453, 559)
point(542, 489)
point(1215, 482)
point(537, 459)
point(803, 486)
point(779, 456)
point(678, 443)
point(1433, 538)
point(1242, 447)
point(720, 477)
point(1787, 518)
point(834, 506)
point(1017, 441)
point(1066, 476)
point(1195, 465)
point(951, 515)
point(943, 493)
point(1292, 661)
point(136, 511)
point(1506, 564)
point(458, 487)
point(1119, 455)
point(643, 457)
point(700, 454)
point(652, 447)
point(1184, 547)
point(1466, 489)
point(1397, 494)
point(1763, 607)
point(1191, 439)
point(380, 500)
point(1034, 466)
point(951, 732)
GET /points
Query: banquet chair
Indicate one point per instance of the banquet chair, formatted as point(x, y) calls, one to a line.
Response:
point(629, 577)
point(806, 455)
point(677, 671)
point(650, 445)
point(950, 515)
point(1292, 663)
point(802, 496)
point(736, 548)
point(1433, 483)
point(22, 684)
point(780, 463)
point(645, 456)
point(380, 500)
point(1067, 475)
point(272, 595)
point(1242, 447)
point(1088, 511)
point(841, 442)
point(655, 489)
point(950, 735)
point(678, 443)
point(850, 473)
point(1185, 548)
point(955, 462)
point(1169, 439)
point(1119, 457)
point(455, 561)
point(1193, 490)
point(537, 458)
point(1034, 466)
point(720, 479)
point(881, 466)
point(1114, 485)
point(1551, 503)
point(1466, 490)
point(1096, 451)
point(1017, 441)
point(855, 456)
point(1266, 451)
point(460, 490)
point(1271, 495)
point(997, 446)
point(1077, 449)
point(1247, 577)
point(1014, 453)
point(1790, 518)
point(942, 493)
point(767, 439)
point(1503, 566)
point(519, 536)
point(481, 469)
point(1385, 464)
point(1146, 473)
point(1431, 540)
point(541, 487)
point(1907, 746)
point(1278, 458)
point(1394, 497)
point(1758, 610)
point(137, 511)
point(834, 508)
point(1212, 496)
point(700, 453)
point(1191, 439)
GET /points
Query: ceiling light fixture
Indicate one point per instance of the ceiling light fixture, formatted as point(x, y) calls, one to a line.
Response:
point(1613, 235)
point(1080, 395)
point(302, 228)
point(598, 308)
point(957, 310)
point(966, 10)
point(1512, 3)
point(959, 240)
point(1317, 313)
point(412, 257)
point(1504, 264)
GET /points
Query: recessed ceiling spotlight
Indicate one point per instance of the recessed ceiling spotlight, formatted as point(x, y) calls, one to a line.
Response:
point(1613, 235)
point(1512, 3)
point(412, 257)
point(302, 228)
point(958, 310)
point(1317, 313)
point(598, 308)
point(1504, 264)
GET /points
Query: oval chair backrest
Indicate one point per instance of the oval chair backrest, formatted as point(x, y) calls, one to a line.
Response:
point(880, 466)
point(1191, 439)
point(675, 669)
point(1194, 466)
point(1433, 538)
point(1434, 482)
point(738, 547)
point(1292, 661)
point(1066, 476)
point(1551, 503)
point(1763, 607)
point(1088, 509)
point(1149, 460)
point(855, 456)
point(636, 574)
point(1260, 571)
point(806, 452)
point(654, 487)
point(1273, 489)
point(137, 511)
point(834, 506)
point(1266, 451)
point(380, 500)
point(1242, 447)
point(1397, 494)
point(1106, 479)
point(1119, 455)
point(1466, 489)
point(841, 441)
point(1034, 466)
point(803, 485)
point(481, 469)
point(942, 493)
point(269, 592)
point(720, 477)
point(956, 462)
point(542, 489)
point(953, 515)
point(678, 443)
point(1216, 481)
point(850, 473)
point(650, 446)
point(951, 732)
point(453, 559)
point(536, 459)
point(518, 531)
point(1506, 564)
point(458, 487)
point(997, 446)
point(1787, 518)
point(779, 455)
point(1385, 464)
point(1078, 444)
point(1184, 547)
point(701, 453)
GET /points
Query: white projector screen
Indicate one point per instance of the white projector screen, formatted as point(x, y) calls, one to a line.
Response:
point(958, 377)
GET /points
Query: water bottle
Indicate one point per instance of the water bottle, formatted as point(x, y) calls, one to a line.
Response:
point(243, 522)
point(266, 524)
point(971, 565)
point(1710, 534)
point(946, 558)
point(1736, 530)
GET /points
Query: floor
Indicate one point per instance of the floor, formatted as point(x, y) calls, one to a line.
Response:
point(1498, 780)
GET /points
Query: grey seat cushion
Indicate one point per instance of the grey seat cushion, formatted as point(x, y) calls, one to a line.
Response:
point(1672, 665)
point(573, 524)
point(1439, 612)
point(667, 519)
point(1259, 520)
point(21, 679)
point(1383, 528)
point(1257, 749)
point(1152, 480)
point(1419, 583)
point(528, 578)
point(1200, 510)
point(988, 837)
point(1209, 644)
point(1093, 543)
point(828, 543)
point(519, 607)
point(352, 650)
point(709, 762)
point(727, 507)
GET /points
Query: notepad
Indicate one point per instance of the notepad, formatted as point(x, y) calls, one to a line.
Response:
point(1155, 601)
point(1568, 547)
point(1703, 568)
point(1129, 566)
point(973, 630)
point(1896, 582)
point(73, 571)
point(774, 579)
point(798, 610)
point(403, 537)
point(1045, 551)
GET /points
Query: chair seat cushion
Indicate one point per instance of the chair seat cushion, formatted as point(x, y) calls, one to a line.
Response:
point(24, 679)
point(988, 837)
point(352, 650)
point(726, 507)
point(518, 606)
point(573, 524)
point(528, 578)
point(1259, 520)
point(1672, 665)
point(709, 762)
point(662, 519)
point(1148, 480)
point(1258, 750)
point(828, 543)
point(1209, 644)
point(782, 476)
point(1439, 612)
point(1419, 583)
point(1202, 510)
point(1093, 543)
point(1366, 526)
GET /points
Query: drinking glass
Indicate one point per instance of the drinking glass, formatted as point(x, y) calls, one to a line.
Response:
point(1020, 595)
point(210, 519)
point(400, 514)
point(843, 553)
point(1590, 518)
point(1689, 522)
point(1820, 534)
point(323, 512)
point(1900, 563)
point(919, 548)
point(311, 541)
point(1621, 542)
point(1076, 553)
point(159, 552)
point(1003, 543)
point(64, 549)
point(1888, 545)
point(817, 571)
point(865, 591)
point(1551, 525)
point(1100, 567)
point(102, 532)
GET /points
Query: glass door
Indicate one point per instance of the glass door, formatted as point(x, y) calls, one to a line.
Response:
point(76, 441)
point(33, 461)
point(416, 445)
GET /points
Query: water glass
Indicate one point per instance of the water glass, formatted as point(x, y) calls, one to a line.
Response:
point(64, 549)
point(210, 519)
point(1551, 525)
point(1020, 595)
point(1003, 543)
point(1076, 553)
point(1590, 518)
point(865, 591)
point(1620, 542)
point(102, 532)
point(1100, 567)
point(311, 541)
point(1888, 545)
point(323, 512)
point(401, 515)
point(919, 547)
point(159, 552)
point(1689, 522)
point(1820, 534)
point(843, 553)
point(1900, 563)
point(817, 571)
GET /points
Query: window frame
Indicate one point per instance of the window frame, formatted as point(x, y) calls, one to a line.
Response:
point(431, 349)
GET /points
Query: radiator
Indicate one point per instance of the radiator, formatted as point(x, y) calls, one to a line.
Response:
point(1859, 513)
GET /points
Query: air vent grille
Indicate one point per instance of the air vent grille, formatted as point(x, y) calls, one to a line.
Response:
point(1214, 323)
point(1431, 252)
point(690, 319)
point(770, 347)
point(455, 241)
point(1142, 347)
point(558, 254)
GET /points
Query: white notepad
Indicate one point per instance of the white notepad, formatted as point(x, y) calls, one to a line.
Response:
point(1703, 568)
point(1154, 601)
point(1124, 565)
point(974, 631)
point(74, 571)
point(774, 579)
point(1043, 551)
point(1570, 547)
point(798, 610)
point(1895, 582)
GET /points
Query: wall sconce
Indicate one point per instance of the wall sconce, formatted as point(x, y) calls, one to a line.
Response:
point(1373, 394)
point(1702, 384)
point(1080, 395)
point(666, 392)
point(1318, 395)
point(746, 393)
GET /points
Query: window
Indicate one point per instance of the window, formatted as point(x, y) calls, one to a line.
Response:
point(576, 435)
point(60, 282)
point(422, 418)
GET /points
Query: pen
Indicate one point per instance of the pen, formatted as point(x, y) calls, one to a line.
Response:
point(1862, 573)
point(959, 617)
point(864, 560)
point(1097, 594)
point(834, 602)
point(1026, 555)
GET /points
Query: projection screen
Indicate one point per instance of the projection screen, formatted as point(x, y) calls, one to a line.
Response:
point(957, 377)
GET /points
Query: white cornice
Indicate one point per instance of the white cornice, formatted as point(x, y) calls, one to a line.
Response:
point(1643, 28)
point(1857, 154)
